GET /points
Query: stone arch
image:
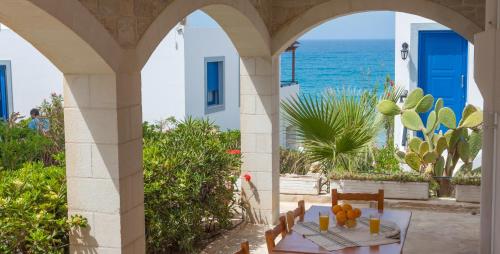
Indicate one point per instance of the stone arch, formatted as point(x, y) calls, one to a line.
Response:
point(65, 32)
point(335, 8)
point(239, 19)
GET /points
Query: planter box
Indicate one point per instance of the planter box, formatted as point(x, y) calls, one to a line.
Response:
point(468, 193)
point(300, 184)
point(396, 190)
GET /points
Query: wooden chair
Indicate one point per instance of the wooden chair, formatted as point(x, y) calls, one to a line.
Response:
point(245, 248)
point(379, 197)
point(273, 233)
point(299, 212)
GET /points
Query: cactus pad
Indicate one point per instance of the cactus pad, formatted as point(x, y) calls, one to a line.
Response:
point(413, 98)
point(411, 120)
point(388, 108)
point(447, 118)
point(425, 104)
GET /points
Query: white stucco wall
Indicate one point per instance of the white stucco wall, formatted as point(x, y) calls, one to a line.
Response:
point(33, 76)
point(211, 42)
point(406, 71)
point(163, 93)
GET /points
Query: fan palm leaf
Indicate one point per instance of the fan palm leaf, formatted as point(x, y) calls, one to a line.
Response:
point(336, 128)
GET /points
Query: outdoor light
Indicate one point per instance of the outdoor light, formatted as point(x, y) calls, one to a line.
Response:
point(404, 51)
point(403, 95)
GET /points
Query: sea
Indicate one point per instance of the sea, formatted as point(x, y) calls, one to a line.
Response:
point(324, 64)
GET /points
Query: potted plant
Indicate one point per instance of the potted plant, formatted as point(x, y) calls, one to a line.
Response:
point(467, 188)
point(426, 154)
point(399, 185)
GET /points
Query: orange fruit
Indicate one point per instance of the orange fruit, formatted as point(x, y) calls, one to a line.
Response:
point(357, 212)
point(351, 214)
point(346, 207)
point(351, 223)
point(336, 209)
point(341, 218)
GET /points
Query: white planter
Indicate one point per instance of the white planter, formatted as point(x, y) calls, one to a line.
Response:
point(396, 190)
point(299, 184)
point(468, 193)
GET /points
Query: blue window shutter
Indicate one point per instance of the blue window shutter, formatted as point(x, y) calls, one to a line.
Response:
point(212, 76)
point(3, 93)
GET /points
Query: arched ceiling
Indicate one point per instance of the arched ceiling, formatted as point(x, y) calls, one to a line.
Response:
point(128, 20)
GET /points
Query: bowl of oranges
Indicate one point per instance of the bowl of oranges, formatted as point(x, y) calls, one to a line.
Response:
point(345, 215)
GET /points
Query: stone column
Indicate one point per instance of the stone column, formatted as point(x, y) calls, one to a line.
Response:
point(103, 125)
point(487, 75)
point(259, 125)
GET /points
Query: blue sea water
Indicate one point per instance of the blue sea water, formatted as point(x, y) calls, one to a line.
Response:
point(323, 64)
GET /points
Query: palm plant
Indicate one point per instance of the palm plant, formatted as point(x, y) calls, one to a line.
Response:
point(337, 128)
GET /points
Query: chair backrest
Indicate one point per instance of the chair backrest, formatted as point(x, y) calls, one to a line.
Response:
point(379, 197)
point(299, 212)
point(245, 248)
point(274, 232)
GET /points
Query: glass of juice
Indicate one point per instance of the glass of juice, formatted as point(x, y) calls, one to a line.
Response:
point(324, 221)
point(374, 224)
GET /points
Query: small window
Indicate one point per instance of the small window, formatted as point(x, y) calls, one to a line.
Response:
point(214, 84)
point(4, 105)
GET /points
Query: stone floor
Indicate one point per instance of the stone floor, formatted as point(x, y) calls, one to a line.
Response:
point(430, 232)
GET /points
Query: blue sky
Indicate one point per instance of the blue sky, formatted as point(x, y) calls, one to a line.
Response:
point(367, 25)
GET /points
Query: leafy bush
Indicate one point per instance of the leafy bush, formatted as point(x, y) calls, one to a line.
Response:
point(232, 139)
point(189, 177)
point(397, 177)
point(53, 111)
point(385, 160)
point(293, 162)
point(19, 144)
point(466, 180)
point(33, 210)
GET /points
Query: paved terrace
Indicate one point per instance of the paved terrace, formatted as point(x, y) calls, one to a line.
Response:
point(431, 231)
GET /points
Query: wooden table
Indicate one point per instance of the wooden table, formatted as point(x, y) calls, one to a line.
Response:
point(296, 243)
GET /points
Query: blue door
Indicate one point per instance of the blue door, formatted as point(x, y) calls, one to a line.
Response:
point(442, 68)
point(4, 111)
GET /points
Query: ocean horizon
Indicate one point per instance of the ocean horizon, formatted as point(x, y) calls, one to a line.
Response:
point(332, 64)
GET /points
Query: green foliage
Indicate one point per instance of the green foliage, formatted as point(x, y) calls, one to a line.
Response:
point(462, 141)
point(337, 128)
point(466, 180)
point(33, 210)
point(19, 144)
point(386, 160)
point(53, 111)
point(294, 162)
point(397, 177)
point(189, 176)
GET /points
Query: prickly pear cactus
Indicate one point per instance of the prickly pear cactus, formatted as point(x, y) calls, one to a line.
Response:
point(462, 141)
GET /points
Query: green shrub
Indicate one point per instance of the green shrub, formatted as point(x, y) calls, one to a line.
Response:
point(189, 175)
point(466, 180)
point(53, 111)
point(397, 177)
point(19, 144)
point(293, 162)
point(33, 210)
point(385, 160)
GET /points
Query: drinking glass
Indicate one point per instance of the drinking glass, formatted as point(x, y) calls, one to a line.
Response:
point(324, 221)
point(374, 224)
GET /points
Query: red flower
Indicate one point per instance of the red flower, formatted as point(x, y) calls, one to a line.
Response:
point(247, 177)
point(234, 151)
point(388, 94)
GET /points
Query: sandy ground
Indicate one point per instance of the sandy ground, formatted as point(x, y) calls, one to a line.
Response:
point(429, 232)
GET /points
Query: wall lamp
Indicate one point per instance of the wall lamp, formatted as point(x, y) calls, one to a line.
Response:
point(404, 51)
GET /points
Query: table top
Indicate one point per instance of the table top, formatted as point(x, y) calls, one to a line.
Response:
point(296, 243)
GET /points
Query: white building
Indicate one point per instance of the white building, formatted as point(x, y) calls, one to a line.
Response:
point(439, 61)
point(193, 72)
